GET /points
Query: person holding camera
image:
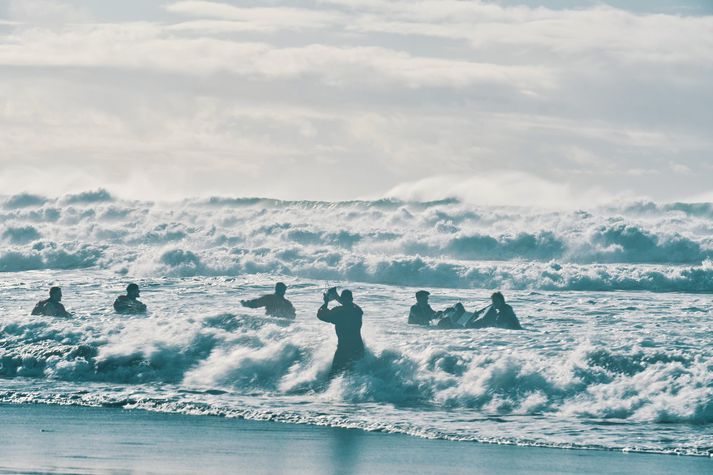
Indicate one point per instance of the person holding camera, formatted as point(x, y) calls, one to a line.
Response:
point(347, 320)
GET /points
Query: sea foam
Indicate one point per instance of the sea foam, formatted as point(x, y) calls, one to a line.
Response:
point(585, 360)
point(603, 362)
point(639, 246)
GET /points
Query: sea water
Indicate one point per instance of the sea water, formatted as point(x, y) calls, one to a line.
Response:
point(616, 303)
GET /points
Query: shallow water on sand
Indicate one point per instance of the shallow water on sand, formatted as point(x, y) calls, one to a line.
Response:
point(614, 370)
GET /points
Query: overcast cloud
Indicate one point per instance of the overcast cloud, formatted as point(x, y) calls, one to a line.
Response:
point(340, 99)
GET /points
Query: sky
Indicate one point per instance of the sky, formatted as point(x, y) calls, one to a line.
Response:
point(498, 102)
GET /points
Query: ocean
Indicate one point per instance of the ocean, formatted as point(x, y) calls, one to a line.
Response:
point(616, 354)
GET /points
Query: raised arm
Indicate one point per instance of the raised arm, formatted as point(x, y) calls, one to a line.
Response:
point(325, 314)
point(255, 303)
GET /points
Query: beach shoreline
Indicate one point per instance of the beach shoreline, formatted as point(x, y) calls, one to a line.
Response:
point(75, 439)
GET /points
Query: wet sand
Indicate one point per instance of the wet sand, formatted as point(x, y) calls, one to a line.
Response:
point(67, 439)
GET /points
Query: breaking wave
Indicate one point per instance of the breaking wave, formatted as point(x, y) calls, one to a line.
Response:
point(639, 246)
point(240, 353)
point(647, 383)
point(230, 364)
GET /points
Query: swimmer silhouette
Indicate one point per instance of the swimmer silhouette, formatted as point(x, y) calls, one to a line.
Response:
point(347, 319)
point(276, 305)
point(500, 315)
point(52, 307)
point(128, 304)
point(452, 317)
point(421, 312)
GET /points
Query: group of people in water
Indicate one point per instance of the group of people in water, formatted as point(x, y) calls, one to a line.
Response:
point(346, 317)
point(125, 304)
point(498, 314)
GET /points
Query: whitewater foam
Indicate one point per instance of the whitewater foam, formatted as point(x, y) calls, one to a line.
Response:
point(604, 362)
point(640, 246)
point(591, 370)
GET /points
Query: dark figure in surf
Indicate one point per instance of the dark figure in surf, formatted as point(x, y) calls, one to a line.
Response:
point(454, 317)
point(347, 323)
point(276, 305)
point(52, 306)
point(499, 315)
point(421, 312)
point(129, 304)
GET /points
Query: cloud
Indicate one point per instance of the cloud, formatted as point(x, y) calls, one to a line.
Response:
point(45, 12)
point(266, 19)
point(148, 47)
point(602, 31)
point(343, 99)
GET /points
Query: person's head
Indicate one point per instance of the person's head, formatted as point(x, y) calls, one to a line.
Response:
point(56, 294)
point(132, 291)
point(280, 288)
point(422, 296)
point(346, 298)
point(497, 299)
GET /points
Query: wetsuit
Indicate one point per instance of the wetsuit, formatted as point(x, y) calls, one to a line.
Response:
point(451, 316)
point(347, 323)
point(50, 308)
point(126, 305)
point(275, 305)
point(504, 317)
point(421, 314)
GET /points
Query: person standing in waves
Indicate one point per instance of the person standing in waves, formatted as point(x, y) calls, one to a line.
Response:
point(421, 313)
point(130, 304)
point(347, 319)
point(52, 307)
point(276, 305)
point(500, 315)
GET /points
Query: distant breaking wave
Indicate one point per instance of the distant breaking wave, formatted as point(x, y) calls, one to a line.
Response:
point(446, 243)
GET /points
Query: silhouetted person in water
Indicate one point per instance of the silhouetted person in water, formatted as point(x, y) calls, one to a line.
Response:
point(347, 323)
point(452, 317)
point(128, 304)
point(499, 315)
point(421, 313)
point(276, 305)
point(52, 306)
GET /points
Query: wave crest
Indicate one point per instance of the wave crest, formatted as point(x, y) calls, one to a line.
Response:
point(447, 243)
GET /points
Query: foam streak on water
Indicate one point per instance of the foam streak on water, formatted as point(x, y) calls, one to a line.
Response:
point(617, 351)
